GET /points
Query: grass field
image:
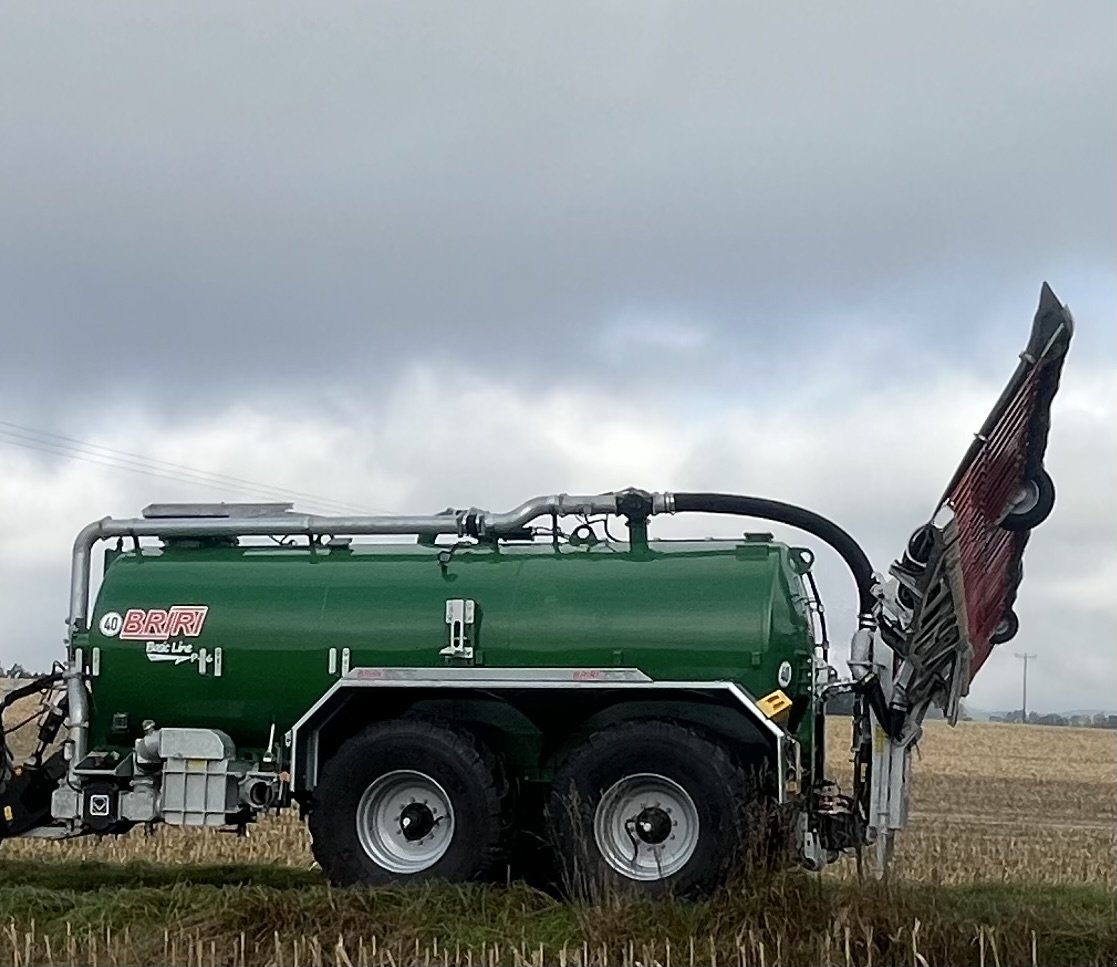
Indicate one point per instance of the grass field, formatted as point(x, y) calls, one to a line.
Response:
point(1010, 858)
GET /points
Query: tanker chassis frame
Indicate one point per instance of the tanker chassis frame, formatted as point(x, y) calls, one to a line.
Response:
point(671, 754)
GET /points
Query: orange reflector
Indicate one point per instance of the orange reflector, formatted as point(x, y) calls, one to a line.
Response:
point(774, 704)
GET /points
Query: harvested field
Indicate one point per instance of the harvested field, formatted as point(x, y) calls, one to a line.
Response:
point(1008, 803)
point(1009, 859)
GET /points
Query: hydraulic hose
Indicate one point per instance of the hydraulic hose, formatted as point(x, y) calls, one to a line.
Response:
point(848, 549)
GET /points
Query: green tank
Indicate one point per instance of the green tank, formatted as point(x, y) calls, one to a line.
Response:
point(281, 624)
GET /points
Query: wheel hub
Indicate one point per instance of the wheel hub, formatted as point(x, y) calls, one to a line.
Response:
point(416, 821)
point(653, 825)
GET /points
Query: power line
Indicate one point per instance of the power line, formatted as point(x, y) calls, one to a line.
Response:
point(70, 444)
point(58, 444)
point(55, 450)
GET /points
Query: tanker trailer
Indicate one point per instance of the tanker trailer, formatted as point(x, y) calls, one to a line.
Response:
point(427, 697)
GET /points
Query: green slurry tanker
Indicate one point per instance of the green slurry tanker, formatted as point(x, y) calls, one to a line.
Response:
point(488, 680)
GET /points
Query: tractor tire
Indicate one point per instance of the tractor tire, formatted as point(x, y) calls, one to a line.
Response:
point(408, 801)
point(650, 806)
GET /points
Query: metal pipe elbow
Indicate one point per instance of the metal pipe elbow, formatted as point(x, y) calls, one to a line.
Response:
point(861, 653)
point(79, 573)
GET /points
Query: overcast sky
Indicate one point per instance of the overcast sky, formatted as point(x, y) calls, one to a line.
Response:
point(403, 256)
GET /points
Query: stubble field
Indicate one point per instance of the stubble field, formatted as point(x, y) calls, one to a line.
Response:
point(1010, 858)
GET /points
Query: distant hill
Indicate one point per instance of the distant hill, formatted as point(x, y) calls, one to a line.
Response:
point(981, 714)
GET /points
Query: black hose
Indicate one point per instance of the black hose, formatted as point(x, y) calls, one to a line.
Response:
point(806, 520)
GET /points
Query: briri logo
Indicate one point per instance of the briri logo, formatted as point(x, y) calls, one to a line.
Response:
point(155, 624)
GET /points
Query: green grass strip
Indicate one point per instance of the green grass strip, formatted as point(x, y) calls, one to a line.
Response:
point(147, 913)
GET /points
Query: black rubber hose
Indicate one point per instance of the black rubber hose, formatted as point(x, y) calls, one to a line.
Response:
point(806, 520)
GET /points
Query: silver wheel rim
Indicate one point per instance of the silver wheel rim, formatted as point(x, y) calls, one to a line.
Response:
point(393, 816)
point(1025, 499)
point(628, 825)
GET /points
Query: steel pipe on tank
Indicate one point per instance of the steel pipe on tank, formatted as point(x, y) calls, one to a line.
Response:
point(481, 522)
point(287, 525)
point(77, 715)
point(562, 504)
point(459, 523)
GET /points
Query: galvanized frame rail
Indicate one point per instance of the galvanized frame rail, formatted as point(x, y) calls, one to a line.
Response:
point(508, 679)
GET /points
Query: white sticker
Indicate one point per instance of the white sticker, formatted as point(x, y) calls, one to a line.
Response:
point(110, 624)
point(784, 674)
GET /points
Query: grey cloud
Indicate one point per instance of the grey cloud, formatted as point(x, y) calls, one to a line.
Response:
point(256, 194)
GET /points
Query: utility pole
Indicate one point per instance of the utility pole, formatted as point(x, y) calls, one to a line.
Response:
point(1024, 702)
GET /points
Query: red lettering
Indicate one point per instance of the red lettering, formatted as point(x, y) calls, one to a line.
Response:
point(134, 621)
point(159, 624)
point(189, 618)
point(178, 621)
point(374, 673)
point(156, 624)
point(185, 619)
